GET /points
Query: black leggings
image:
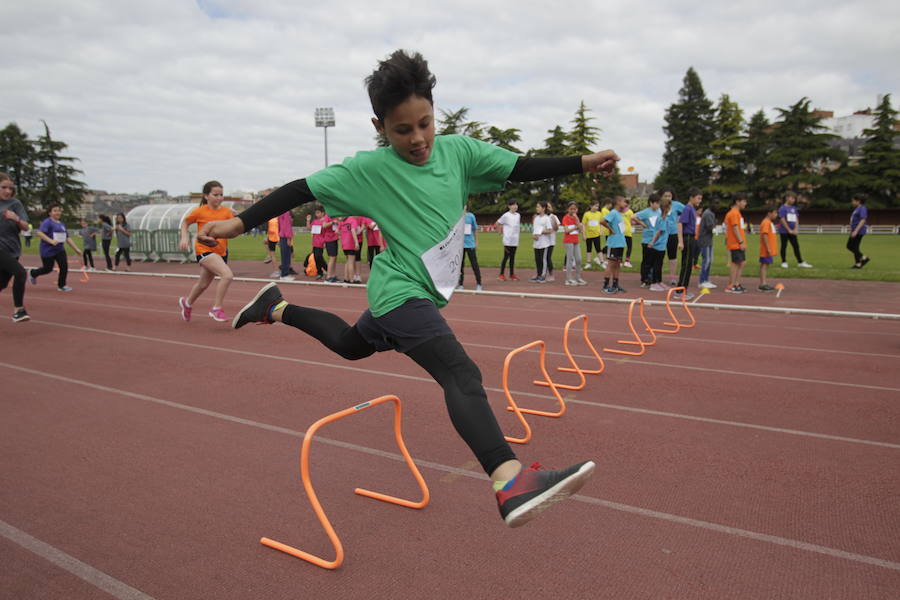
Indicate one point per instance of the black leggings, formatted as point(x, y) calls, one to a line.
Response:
point(628, 244)
point(646, 263)
point(792, 239)
point(509, 253)
point(10, 268)
point(687, 261)
point(106, 244)
point(550, 260)
point(87, 258)
point(61, 260)
point(126, 252)
point(319, 257)
point(540, 261)
point(853, 246)
point(655, 258)
point(473, 259)
point(443, 358)
point(373, 252)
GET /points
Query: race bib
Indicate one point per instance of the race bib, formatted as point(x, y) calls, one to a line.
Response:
point(468, 229)
point(621, 227)
point(743, 225)
point(59, 236)
point(697, 222)
point(316, 229)
point(375, 228)
point(335, 227)
point(792, 217)
point(443, 260)
point(653, 220)
point(594, 223)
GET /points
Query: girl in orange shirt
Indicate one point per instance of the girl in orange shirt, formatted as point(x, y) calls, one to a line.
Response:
point(213, 259)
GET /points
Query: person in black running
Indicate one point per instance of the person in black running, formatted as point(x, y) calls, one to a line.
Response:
point(13, 221)
point(415, 189)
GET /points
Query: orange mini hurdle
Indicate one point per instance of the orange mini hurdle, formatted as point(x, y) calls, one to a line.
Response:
point(512, 403)
point(314, 501)
point(575, 368)
point(637, 341)
point(675, 322)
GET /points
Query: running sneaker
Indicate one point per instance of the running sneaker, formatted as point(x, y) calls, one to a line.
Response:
point(737, 289)
point(581, 282)
point(501, 277)
point(535, 489)
point(598, 260)
point(64, 288)
point(20, 315)
point(742, 288)
point(856, 266)
point(586, 265)
point(805, 265)
point(784, 265)
point(514, 277)
point(289, 278)
point(478, 288)
point(619, 288)
point(550, 279)
point(627, 264)
point(610, 290)
point(31, 277)
point(267, 261)
point(257, 310)
point(185, 309)
point(657, 287)
point(460, 287)
point(535, 279)
point(708, 285)
point(644, 285)
point(765, 288)
point(217, 314)
point(864, 261)
point(570, 282)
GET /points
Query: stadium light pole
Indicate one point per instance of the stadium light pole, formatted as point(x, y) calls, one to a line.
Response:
point(325, 119)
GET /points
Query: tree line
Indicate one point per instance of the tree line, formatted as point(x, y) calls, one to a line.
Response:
point(40, 169)
point(715, 149)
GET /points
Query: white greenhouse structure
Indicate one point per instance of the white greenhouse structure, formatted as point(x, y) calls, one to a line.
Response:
point(156, 230)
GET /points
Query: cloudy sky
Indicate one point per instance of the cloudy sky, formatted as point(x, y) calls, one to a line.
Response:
point(168, 94)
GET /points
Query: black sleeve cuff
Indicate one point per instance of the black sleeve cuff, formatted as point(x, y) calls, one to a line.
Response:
point(288, 196)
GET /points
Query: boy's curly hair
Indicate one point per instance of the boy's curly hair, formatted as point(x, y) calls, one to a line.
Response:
point(400, 76)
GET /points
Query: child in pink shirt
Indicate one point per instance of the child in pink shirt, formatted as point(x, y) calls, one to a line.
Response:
point(349, 228)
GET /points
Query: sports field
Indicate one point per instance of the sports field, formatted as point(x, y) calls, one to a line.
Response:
point(750, 456)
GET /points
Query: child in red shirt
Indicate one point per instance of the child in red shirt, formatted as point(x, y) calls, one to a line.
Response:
point(572, 228)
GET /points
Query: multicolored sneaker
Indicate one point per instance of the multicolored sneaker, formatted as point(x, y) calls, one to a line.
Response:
point(257, 310)
point(535, 489)
point(20, 315)
point(185, 309)
point(217, 314)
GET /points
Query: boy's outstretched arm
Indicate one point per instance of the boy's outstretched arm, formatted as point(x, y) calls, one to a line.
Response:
point(288, 196)
point(535, 168)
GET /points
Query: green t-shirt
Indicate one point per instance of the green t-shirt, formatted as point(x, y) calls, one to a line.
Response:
point(419, 210)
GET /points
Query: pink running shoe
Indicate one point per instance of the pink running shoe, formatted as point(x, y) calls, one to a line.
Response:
point(185, 309)
point(217, 314)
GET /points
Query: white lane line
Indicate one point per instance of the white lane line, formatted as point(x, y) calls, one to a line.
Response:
point(823, 436)
point(637, 510)
point(773, 311)
point(502, 323)
point(67, 562)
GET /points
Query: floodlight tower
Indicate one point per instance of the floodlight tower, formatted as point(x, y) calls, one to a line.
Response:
point(325, 119)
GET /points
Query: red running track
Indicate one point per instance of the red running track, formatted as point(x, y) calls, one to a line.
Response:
point(754, 456)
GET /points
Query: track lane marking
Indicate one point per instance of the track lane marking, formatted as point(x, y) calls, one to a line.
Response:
point(741, 424)
point(617, 506)
point(70, 564)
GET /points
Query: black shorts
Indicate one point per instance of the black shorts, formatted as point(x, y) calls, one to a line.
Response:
point(200, 257)
point(402, 329)
point(271, 245)
point(615, 253)
point(672, 246)
point(331, 248)
point(592, 242)
point(738, 256)
point(351, 253)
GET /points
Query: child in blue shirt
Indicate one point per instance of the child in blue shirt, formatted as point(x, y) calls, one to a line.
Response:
point(470, 227)
point(647, 218)
point(615, 244)
point(659, 244)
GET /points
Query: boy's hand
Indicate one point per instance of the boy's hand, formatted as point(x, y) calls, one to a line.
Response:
point(600, 162)
point(228, 228)
point(10, 215)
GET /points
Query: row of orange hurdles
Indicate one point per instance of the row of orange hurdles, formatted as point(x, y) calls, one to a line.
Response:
point(672, 327)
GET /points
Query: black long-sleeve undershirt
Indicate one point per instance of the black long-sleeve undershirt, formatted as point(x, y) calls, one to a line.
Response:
point(297, 192)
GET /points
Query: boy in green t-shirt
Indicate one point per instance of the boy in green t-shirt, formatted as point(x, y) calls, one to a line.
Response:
point(415, 190)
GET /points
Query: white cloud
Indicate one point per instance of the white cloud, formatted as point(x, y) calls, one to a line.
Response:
point(171, 93)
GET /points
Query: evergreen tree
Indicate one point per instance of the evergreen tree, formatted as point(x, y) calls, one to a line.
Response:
point(454, 122)
point(17, 159)
point(689, 127)
point(555, 145)
point(726, 151)
point(56, 176)
point(756, 148)
point(800, 154)
point(879, 168)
